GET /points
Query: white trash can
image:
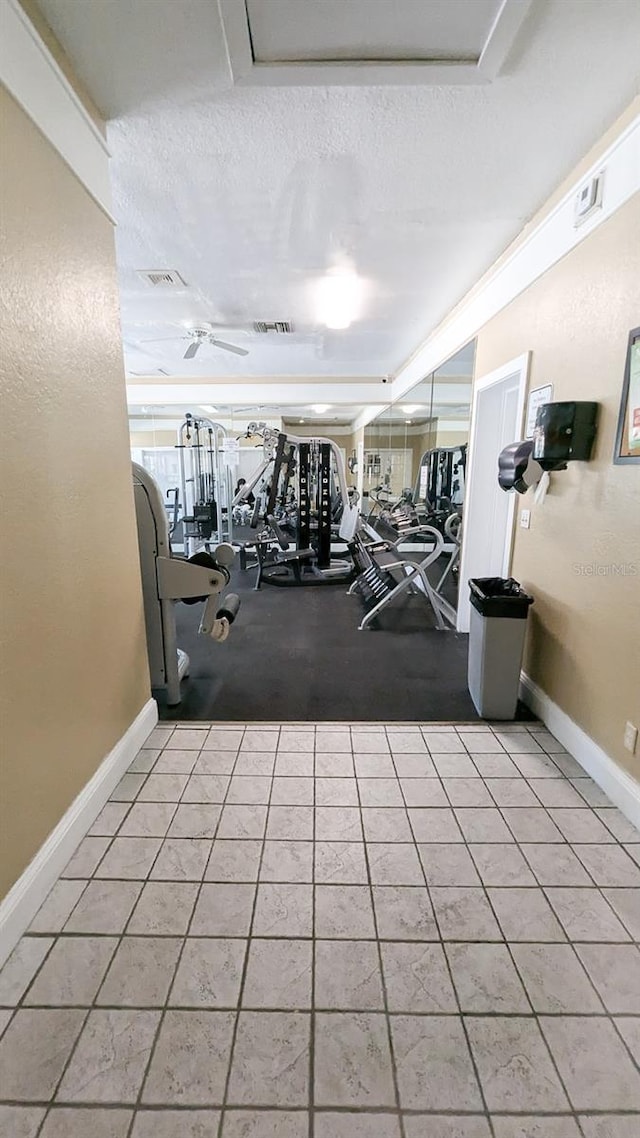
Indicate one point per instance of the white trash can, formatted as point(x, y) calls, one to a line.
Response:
point(499, 610)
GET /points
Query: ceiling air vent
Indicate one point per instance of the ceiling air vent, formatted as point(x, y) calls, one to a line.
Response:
point(162, 278)
point(282, 327)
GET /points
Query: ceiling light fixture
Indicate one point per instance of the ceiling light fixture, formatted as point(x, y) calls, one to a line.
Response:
point(339, 298)
point(320, 408)
point(409, 408)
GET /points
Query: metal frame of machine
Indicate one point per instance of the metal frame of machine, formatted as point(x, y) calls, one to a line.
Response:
point(314, 463)
point(206, 487)
point(166, 579)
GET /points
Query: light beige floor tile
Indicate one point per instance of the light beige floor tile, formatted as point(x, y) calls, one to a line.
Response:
point(586, 915)
point(554, 979)
point(271, 1059)
point(293, 823)
point(20, 1121)
point(176, 1124)
point(191, 1059)
point(109, 1061)
point(514, 1066)
point(164, 908)
point(234, 859)
point(19, 970)
point(501, 864)
point(130, 858)
point(195, 820)
point(347, 976)
point(104, 907)
point(141, 972)
point(181, 859)
point(615, 972)
point(206, 788)
point(394, 863)
point(343, 912)
point(446, 864)
point(34, 1050)
point(163, 788)
point(283, 910)
point(223, 910)
point(352, 1060)
point(404, 913)
point(417, 978)
point(340, 863)
point(279, 974)
point(287, 861)
point(73, 971)
point(148, 820)
point(209, 973)
point(433, 1063)
point(109, 819)
point(593, 1063)
point(464, 913)
point(86, 858)
point(525, 914)
point(485, 979)
point(69, 1122)
point(57, 906)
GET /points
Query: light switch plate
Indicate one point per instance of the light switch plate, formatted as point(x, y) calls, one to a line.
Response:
point(525, 519)
point(630, 737)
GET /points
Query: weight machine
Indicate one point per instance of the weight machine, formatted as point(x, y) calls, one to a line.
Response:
point(205, 483)
point(440, 483)
point(300, 485)
point(166, 579)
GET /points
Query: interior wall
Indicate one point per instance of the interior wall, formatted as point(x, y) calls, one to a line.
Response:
point(71, 630)
point(581, 557)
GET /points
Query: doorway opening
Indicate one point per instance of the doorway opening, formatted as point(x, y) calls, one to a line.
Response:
point(496, 420)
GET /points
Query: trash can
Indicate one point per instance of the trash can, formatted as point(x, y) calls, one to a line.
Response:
point(499, 609)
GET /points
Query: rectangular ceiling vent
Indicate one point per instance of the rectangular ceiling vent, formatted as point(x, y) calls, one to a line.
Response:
point(281, 327)
point(162, 278)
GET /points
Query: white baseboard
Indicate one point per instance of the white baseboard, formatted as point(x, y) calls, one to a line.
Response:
point(24, 899)
point(621, 787)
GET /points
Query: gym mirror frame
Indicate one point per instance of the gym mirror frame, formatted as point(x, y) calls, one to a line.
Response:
point(630, 391)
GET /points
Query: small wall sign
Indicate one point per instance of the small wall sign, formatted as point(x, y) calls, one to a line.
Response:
point(537, 398)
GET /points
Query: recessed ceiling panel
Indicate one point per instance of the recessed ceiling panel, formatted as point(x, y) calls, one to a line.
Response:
point(288, 31)
point(369, 42)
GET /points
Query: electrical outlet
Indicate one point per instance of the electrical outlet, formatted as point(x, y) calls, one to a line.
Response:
point(630, 737)
point(525, 519)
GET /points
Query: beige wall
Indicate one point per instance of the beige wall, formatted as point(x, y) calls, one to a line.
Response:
point(584, 643)
point(71, 624)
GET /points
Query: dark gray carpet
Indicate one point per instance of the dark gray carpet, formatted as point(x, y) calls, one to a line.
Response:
point(297, 654)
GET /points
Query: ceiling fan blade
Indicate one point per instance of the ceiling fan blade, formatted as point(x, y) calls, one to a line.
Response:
point(228, 347)
point(192, 349)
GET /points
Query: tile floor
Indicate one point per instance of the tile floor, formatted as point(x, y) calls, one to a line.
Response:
point(339, 932)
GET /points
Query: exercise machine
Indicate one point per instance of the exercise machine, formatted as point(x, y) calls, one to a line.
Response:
point(300, 488)
point(205, 483)
point(384, 575)
point(440, 484)
point(166, 579)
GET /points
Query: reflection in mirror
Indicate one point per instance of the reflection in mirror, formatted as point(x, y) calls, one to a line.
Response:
point(415, 460)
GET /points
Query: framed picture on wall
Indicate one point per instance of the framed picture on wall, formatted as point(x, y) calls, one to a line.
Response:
point(628, 436)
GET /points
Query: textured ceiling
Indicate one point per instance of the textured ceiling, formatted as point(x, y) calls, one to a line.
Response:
point(252, 194)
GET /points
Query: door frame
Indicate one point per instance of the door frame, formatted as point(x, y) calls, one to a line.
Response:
point(517, 367)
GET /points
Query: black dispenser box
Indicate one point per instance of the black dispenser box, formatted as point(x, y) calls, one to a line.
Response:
point(564, 432)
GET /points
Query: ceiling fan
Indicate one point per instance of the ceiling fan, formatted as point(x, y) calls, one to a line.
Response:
point(198, 335)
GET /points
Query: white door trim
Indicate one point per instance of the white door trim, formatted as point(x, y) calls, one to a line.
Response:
point(520, 367)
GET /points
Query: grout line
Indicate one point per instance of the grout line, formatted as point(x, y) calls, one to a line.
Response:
point(162, 1016)
point(392, 1057)
point(243, 977)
